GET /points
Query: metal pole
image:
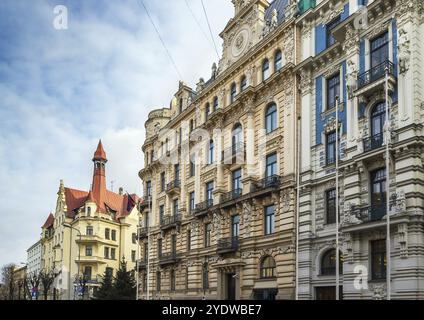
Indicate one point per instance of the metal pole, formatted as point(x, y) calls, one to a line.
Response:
point(297, 209)
point(337, 201)
point(137, 260)
point(388, 249)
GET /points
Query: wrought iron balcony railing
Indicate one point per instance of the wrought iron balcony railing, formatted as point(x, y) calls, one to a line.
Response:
point(228, 245)
point(273, 181)
point(142, 233)
point(175, 184)
point(232, 195)
point(235, 150)
point(373, 142)
point(371, 213)
point(169, 258)
point(203, 206)
point(376, 73)
point(170, 220)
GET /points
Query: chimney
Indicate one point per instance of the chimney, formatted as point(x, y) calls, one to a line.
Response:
point(121, 191)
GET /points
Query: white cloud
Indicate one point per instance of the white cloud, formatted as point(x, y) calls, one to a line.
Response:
point(63, 90)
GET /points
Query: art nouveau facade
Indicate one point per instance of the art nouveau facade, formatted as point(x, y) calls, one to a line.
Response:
point(346, 49)
point(219, 173)
point(89, 233)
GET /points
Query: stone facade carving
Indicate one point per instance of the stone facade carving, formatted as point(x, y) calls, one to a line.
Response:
point(351, 77)
point(404, 52)
point(271, 24)
point(379, 292)
point(402, 233)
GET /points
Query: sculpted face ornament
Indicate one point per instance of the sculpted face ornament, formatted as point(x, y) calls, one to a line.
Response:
point(239, 41)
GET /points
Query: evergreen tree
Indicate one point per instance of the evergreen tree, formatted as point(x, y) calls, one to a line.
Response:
point(125, 285)
point(106, 290)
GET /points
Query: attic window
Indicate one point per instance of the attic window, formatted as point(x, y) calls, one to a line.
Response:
point(88, 211)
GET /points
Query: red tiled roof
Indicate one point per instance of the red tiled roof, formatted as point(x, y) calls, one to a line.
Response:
point(49, 222)
point(74, 199)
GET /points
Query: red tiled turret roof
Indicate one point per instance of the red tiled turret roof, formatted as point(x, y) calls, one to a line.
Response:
point(100, 153)
point(49, 222)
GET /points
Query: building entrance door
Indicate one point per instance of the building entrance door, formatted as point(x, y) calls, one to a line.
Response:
point(231, 286)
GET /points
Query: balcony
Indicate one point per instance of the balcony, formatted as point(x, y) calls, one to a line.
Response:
point(305, 5)
point(202, 208)
point(166, 259)
point(141, 264)
point(373, 142)
point(143, 233)
point(266, 185)
point(371, 213)
point(374, 79)
point(227, 245)
point(145, 202)
point(230, 198)
point(169, 222)
point(173, 186)
point(235, 152)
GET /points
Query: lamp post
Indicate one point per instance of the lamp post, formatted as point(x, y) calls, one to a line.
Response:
point(66, 225)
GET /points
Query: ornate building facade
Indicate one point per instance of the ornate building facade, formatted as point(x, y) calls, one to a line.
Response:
point(89, 233)
point(346, 50)
point(219, 175)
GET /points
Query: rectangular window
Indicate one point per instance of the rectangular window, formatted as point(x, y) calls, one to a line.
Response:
point(174, 244)
point(379, 50)
point(191, 201)
point(106, 253)
point(176, 207)
point(173, 280)
point(162, 181)
point(107, 233)
point(211, 152)
point(333, 90)
point(159, 248)
point(133, 253)
point(114, 235)
point(113, 253)
point(235, 226)
point(329, 27)
point(236, 180)
point(149, 188)
point(145, 282)
point(209, 191)
point(331, 148)
point(192, 168)
point(146, 252)
point(134, 238)
point(208, 234)
point(88, 251)
point(158, 284)
point(271, 165)
point(188, 240)
point(177, 172)
point(378, 259)
point(89, 231)
point(330, 201)
point(161, 212)
point(87, 273)
point(269, 219)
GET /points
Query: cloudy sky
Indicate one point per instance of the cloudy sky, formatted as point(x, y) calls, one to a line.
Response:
point(62, 90)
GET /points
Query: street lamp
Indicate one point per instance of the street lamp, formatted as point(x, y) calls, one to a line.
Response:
point(66, 225)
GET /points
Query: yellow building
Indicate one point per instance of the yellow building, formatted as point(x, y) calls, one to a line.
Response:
point(89, 233)
point(219, 175)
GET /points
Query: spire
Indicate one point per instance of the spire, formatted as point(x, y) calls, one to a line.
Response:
point(99, 177)
point(100, 153)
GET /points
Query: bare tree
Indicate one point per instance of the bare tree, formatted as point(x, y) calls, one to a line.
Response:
point(8, 281)
point(32, 282)
point(47, 279)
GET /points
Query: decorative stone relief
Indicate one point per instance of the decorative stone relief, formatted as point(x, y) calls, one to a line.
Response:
point(349, 217)
point(379, 292)
point(402, 233)
point(347, 247)
point(270, 25)
point(247, 218)
point(351, 77)
point(305, 83)
point(404, 51)
point(352, 39)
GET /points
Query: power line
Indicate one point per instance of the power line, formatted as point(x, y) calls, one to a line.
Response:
point(198, 24)
point(161, 40)
point(209, 26)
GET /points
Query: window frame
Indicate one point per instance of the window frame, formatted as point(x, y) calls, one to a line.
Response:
point(269, 220)
point(271, 118)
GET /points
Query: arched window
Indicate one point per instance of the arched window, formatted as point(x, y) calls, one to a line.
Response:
point(243, 83)
point(271, 118)
point(215, 104)
point(267, 267)
point(205, 276)
point(207, 110)
point(265, 70)
point(237, 138)
point(211, 152)
point(328, 263)
point(233, 93)
point(278, 60)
